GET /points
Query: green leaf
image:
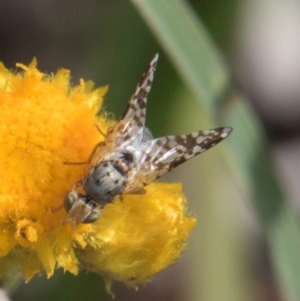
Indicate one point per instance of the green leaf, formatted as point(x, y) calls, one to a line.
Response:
point(200, 65)
point(187, 43)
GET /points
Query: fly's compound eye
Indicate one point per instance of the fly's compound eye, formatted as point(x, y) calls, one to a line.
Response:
point(69, 201)
point(92, 217)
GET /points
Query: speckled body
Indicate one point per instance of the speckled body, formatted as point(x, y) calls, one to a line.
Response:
point(107, 180)
point(129, 158)
point(104, 183)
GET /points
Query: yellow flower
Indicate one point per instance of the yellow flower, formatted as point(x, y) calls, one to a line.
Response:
point(45, 122)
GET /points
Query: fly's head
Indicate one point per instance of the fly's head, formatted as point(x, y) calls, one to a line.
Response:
point(80, 209)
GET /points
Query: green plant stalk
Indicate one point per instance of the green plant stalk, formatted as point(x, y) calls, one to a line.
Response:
point(197, 60)
point(281, 228)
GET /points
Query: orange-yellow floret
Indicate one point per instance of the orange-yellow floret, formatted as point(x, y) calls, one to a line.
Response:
point(140, 235)
point(45, 122)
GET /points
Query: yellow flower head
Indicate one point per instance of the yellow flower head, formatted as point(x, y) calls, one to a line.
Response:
point(44, 123)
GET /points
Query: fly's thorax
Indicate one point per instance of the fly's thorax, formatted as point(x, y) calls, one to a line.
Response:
point(107, 180)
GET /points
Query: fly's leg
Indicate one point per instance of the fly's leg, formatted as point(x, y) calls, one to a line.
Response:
point(89, 160)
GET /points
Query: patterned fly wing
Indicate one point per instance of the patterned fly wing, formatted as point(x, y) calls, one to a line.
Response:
point(161, 155)
point(129, 131)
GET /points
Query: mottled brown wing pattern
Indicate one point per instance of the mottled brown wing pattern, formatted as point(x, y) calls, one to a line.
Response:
point(136, 108)
point(129, 129)
point(161, 155)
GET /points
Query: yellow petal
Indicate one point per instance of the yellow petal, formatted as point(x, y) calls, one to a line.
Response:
point(45, 122)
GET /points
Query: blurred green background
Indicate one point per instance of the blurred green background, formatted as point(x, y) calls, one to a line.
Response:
point(245, 191)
